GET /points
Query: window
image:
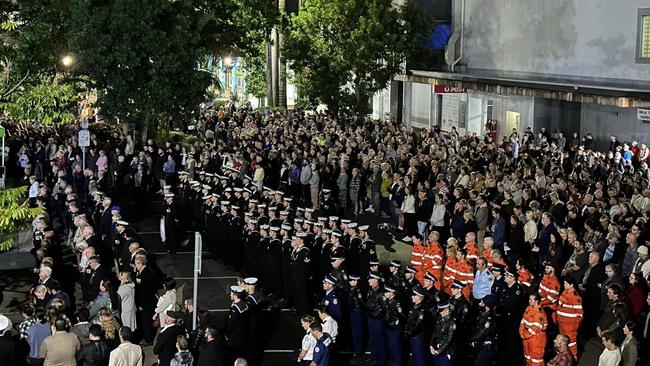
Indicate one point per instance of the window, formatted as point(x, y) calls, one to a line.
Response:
point(643, 36)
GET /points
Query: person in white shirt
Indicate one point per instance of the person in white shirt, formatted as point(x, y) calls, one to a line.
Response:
point(611, 355)
point(33, 187)
point(306, 354)
point(330, 326)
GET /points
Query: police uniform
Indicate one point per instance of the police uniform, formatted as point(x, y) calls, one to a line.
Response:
point(375, 312)
point(417, 330)
point(323, 350)
point(333, 304)
point(511, 305)
point(301, 275)
point(443, 339)
point(357, 316)
point(482, 334)
point(393, 322)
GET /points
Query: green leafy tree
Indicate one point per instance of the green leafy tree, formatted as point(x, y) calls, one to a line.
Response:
point(344, 51)
point(47, 103)
point(15, 215)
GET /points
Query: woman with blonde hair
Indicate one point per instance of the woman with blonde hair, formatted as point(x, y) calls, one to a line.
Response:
point(126, 291)
point(110, 327)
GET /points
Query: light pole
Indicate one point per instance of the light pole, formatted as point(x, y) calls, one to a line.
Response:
point(227, 62)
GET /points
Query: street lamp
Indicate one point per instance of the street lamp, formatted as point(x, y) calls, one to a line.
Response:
point(227, 62)
point(67, 60)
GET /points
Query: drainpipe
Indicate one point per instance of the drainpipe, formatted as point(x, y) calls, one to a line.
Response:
point(462, 37)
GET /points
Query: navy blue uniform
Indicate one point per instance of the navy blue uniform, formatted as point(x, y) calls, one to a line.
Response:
point(323, 350)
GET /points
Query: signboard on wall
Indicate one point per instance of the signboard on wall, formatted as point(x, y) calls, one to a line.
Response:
point(441, 89)
point(453, 112)
point(643, 115)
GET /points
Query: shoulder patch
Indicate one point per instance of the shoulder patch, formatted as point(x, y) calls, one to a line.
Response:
point(307, 260)
point(335, 301)
point(487, 324)
point(316, 349)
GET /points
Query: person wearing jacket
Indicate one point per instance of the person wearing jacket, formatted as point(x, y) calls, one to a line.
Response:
point(96, 352)
point(416, 327)
point(532, 330)
point(568, 313)
point(441, 345)
point(483, 331)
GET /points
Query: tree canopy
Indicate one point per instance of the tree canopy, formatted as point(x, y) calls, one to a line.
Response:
point(344, 51)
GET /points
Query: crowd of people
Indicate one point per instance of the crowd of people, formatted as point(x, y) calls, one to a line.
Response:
point(529, 249)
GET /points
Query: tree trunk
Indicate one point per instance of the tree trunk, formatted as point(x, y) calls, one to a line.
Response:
point(282, 64)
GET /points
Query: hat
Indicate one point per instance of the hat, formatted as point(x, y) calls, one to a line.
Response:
point(337, 233)
point(237, 189)
point(225, 203)
point(122, 223)
point(352, 225)
point(411, 269)
point(346, 221)
point(250, 280)
point(236, 289)
point(301, 234)
point(458, 285)
point(167, 186)
point(169, 195)
point(275, 228)
point(364, 227)
point(321, 218)
point(508, 273)
point(443, 305)
point(395, 263)
point(334, 218)
point(643, 250)
point(298, 220)
point(329, 279)
point(5, 323)
point(490, 300)
point(327, 191)
point(497, 267)
point(265, 227)
point(288, 199)
point(309, 209)
point(327, 231)
point(374, 262)
point(285, 227)
point(374, 275)
point(354, 277)
point(336, 258)
point(284, 213)
point(429, 277)
point(418, 290)
point(389, 289)
point(116, 208)
point(205, 186)
point(300, 209)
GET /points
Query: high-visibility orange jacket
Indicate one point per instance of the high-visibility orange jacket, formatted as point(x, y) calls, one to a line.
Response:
point(549, 290)
point(487, 254)
point(532, 331)
point(449, 274)
point(433, 260)
point(473, 251)
point(568, 315)
point(465, 276)
point(524, 278)
point(417, 260)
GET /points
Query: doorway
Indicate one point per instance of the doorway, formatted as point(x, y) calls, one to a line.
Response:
point(512, 122)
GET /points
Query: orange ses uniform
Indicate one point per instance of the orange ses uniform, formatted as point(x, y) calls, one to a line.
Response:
point(549, 290)
point(525, 279)
point(472, 250)
point(417, 260)
point(449, 274)
point(568, 315)
point(532, 330)
point(465, 276)
point(433, 261)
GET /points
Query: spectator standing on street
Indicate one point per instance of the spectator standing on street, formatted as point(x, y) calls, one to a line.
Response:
point(61, 347)
point(127, 353)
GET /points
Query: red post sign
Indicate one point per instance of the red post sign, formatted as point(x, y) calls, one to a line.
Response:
point(442, 89)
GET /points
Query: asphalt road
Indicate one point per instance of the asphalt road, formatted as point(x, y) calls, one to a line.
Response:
point(281, 327)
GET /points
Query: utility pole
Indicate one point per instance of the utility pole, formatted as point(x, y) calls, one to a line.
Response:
point(282, 64)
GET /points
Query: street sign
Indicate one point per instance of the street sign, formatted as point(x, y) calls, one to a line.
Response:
point(2, 132)
point(84, 138)
point(442, 89)
point(643, 115)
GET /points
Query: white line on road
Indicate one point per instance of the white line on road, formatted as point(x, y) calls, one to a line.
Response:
point(208, 278)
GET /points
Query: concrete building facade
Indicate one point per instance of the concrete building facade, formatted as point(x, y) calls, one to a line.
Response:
point(568, 65)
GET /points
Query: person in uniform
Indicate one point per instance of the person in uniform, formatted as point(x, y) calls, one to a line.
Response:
point(568, 313)
point(357, 304)
point(331, 301)
point(511, 305)
point(237, 324)
point(323, 348)
point(393, 325)
point(483, 332)
point(532, 331)
point(256, 302)
point(375, 313)
point(441, 345)
point(417, 327)
point(301, 272)
point(460, 305)
point(171, 218)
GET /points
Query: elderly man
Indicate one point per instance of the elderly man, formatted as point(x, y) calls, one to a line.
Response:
point(563, 356)
point(165, 346)
point(642, 263)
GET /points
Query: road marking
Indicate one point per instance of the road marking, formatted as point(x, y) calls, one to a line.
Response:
point(208, 278)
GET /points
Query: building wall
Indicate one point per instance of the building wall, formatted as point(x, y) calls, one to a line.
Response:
point(603, 122)
point(557, 115)
point(580, 38)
